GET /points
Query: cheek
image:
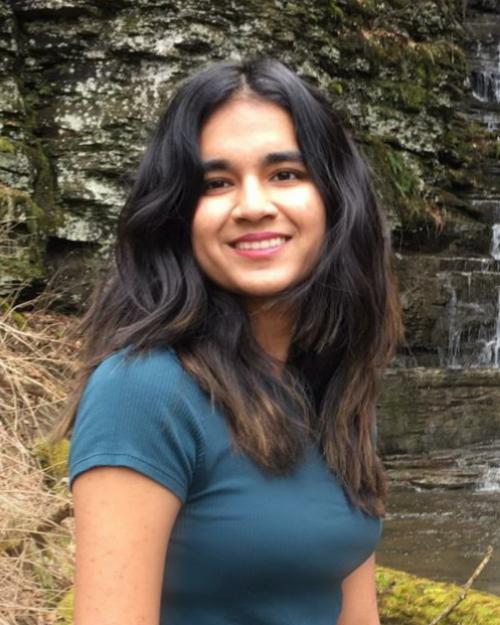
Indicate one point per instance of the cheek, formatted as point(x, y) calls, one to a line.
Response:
point(196, 226)
point(318, 215)
point(205, 237)
point(203, 222)
point(199, 236)
point(312, 215)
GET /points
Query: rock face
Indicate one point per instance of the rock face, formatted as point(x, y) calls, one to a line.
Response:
point(83, 81)
point(406, 599)
point(426, 409)
point(444, 390)
point(451, 310)
point(475, 468)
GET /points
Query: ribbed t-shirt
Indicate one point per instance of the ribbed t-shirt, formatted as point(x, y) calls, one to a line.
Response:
point(247, 548)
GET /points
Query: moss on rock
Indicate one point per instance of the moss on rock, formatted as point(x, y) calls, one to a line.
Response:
point(91, 86)
point(53, 458)
point(22, 245)
point(64, 610)
point(6, 145)
point(406, 599)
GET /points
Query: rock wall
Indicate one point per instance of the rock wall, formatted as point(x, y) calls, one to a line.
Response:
point(444, 391)
point(424, 408)
point(83, 81)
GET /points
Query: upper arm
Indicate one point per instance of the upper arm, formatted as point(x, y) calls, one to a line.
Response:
point(136, 447)
point(133, 413)
point(123, 522)
point(359, 596)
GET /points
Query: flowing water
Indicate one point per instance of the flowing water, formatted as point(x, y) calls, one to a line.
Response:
point(444, 507)
point(443, 512)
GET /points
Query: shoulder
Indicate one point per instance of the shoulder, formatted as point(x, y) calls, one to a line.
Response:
point(135, 411)
point(127, 379)
point(141, 390)
point(153, 370)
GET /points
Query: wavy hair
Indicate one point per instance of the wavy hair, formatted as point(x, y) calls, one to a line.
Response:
point(347, 314)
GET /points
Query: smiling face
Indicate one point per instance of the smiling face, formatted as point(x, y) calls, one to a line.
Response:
point(260, 220)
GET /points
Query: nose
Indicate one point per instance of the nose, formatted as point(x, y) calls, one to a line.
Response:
point(253, 202)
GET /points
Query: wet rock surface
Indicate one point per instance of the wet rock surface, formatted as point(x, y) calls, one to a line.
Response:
point(423, 409)
point(85, 80)
point(476, 467)
point(443, 512)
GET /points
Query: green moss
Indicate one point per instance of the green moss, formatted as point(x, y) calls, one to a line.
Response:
point(53, 570)
point(64, 610)
point(336, 13)
point(404, 180)
point(6, 145)
point(413, 96)
point(44, 189)
point(420, 71)
point(410, 600)
point(337, 87)
point(399, 180)
point(14, 315)
point(44, 194)
point(131, 23)
point(53, 458)
point(366, 8)
point(458, 150)
point(388, 47)
point(406, 95)
point(22, 256)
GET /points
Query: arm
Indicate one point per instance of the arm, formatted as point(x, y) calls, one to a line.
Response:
point(359, 603)
point(123, 521)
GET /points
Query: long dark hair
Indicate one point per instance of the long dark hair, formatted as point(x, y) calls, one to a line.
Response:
point(347, 314)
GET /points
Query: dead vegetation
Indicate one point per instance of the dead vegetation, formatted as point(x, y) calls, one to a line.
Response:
point(36, 544)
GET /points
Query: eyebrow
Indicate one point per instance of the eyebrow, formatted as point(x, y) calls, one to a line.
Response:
point(272, 158)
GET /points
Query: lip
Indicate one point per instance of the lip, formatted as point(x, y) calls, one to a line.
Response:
point(260, 236)
point(262, 253)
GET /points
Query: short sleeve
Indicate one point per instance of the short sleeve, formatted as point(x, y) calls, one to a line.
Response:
point(132, 414)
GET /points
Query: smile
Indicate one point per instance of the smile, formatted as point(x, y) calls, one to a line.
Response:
point(259, 248)
point(260, 245)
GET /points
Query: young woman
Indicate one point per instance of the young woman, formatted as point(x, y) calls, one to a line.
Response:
point(223, 460)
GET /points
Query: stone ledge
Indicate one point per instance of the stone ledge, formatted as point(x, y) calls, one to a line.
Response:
point(422, 409)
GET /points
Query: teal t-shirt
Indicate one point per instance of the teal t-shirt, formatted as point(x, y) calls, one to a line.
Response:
point(247, 548)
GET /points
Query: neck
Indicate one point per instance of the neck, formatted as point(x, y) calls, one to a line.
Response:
point(272, 329)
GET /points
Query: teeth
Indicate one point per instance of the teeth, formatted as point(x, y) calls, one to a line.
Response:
point(260, 245)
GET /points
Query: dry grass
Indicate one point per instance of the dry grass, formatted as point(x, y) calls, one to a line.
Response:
point(36, 530)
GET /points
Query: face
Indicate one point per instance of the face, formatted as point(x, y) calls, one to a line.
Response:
point(260, 220)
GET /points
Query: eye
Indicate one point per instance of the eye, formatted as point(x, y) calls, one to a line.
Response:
point(288, 174)
point(215, 184)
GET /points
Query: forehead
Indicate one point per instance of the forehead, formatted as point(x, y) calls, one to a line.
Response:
point(247, 125)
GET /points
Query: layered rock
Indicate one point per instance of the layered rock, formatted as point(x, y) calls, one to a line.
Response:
point(88, 79)
point(423, 408)
point(84, 81)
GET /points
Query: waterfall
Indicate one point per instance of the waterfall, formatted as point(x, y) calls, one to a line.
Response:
point(495, 241)
point(472, 318)
point(489, 354)
point(490, 481)
point(485, 83)
point(472, 313)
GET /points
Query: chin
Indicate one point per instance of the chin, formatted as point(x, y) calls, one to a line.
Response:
point(259, 293)
point(256, 288)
